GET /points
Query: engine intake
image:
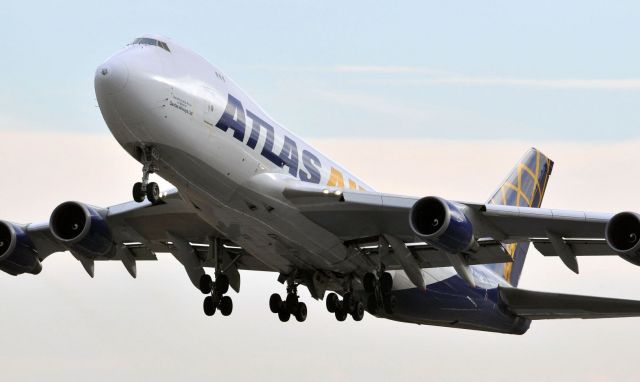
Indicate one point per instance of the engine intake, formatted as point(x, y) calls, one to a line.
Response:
point(623, 236)
point(82, 229)
point(17, 252)
point(441, 223)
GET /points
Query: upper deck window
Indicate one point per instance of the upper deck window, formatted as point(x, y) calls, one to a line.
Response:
point(151, 41)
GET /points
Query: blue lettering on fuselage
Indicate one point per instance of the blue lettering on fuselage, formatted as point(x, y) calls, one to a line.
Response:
point(234, 118)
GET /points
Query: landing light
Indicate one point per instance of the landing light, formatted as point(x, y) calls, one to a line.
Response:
point(325, 191)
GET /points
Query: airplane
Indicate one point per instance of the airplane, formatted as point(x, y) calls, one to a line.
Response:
point(251, 195)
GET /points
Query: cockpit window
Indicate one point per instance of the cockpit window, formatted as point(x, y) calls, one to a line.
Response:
point(151, 41)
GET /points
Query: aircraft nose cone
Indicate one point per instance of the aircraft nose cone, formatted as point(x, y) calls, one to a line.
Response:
point(112, 76)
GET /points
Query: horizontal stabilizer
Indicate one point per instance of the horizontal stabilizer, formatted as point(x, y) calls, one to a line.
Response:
point(543, 306)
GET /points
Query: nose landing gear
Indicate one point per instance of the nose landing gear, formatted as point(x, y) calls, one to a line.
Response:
point(146, 189)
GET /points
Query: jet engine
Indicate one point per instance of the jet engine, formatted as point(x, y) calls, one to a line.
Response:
point(441, 223)
point(17, 252)
point(623, 236)
point(82, 229)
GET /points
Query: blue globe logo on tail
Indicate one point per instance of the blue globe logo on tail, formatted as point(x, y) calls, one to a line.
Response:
point(524, 187)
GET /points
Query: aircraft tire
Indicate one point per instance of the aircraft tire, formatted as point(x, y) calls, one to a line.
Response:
point(153, 192)
point(284, 315)
point(369, 282)
point(226, 305)
point(358, 311)
point(292, 303)
point(386, 282)
point(372, 304)
point(275, 303)
point(222, 284)
point(341, 315)
point(138, 194)
point(209, 306)
point(301, 313)
point(390, 304)
point(205, 284)
point(332, 302)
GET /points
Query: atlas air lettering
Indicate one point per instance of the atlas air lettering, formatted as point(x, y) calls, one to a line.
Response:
point(303, 165)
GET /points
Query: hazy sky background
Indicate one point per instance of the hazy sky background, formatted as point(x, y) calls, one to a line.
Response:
point(460, 88)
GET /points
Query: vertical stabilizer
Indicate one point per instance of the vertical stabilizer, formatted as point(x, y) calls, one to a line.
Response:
point(523, 187)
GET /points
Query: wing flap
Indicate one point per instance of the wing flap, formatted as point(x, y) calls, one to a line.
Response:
point(578, 247)
point(543, 305)
point(427, 256)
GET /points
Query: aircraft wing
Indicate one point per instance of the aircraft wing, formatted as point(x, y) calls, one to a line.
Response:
point(543, 305)
point(141, 230)
point(355, 216)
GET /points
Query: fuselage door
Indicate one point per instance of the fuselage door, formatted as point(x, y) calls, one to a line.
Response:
point(210, 113)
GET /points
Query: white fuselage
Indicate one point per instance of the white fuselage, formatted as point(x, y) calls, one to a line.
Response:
point(223, 153)
point(176, 101)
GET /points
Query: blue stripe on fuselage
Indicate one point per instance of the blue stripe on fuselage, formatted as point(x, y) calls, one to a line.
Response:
point(453, 303)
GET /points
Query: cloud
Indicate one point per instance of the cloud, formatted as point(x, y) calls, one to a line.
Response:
point(420, 75)
point(564, 83)
point(376, 104)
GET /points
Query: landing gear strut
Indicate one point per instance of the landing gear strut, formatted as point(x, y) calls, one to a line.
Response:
point(290, 306)
point(347, 306)
point(379, 292)
point(217, 299)
point(144, 189)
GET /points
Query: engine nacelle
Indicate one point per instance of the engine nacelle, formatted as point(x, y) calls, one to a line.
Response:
point(82, 229)
point(17, 252)
point(623, 236)
point(441, 223)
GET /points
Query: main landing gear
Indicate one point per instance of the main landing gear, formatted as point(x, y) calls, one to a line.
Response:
point(347, 306)
point(378, 291)
point(217, 299)
point(146, 189)
point(291, 306)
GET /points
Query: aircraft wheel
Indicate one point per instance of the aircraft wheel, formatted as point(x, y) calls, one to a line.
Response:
point(209, 306)
point(390, 304)
point(358, 311)
point(275, 303)
point(369, 282)
point(301, 314)
point(347, 302)
point(153, 192)
point(284, 315)
point(372, 304)
point(222, 284)
point(205, 284)
point(386, 282)
point(226, 305)
point(332, 302)
point(292, 303)
point(341, 315)
point(138, 194)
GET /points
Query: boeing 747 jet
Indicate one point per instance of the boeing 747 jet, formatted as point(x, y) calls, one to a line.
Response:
point(251, 195)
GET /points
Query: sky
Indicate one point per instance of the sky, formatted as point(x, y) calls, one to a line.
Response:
point(459, 69)
point(460, 88)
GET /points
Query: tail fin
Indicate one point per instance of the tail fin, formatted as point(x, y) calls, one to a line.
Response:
point(524, 187)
